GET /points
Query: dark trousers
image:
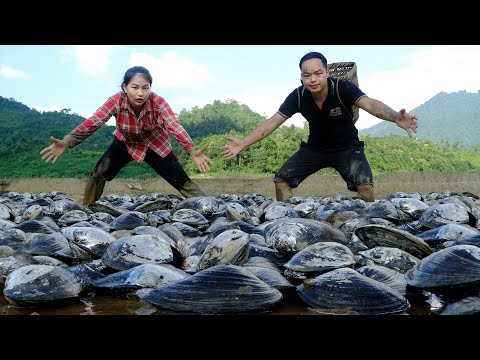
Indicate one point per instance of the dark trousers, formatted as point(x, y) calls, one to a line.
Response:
point(117, 156)
point(350, 163)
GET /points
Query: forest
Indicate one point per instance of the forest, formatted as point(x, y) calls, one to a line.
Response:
point(25, 132)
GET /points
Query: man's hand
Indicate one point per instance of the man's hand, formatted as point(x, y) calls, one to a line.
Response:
point(234, 148)
point(407, 122)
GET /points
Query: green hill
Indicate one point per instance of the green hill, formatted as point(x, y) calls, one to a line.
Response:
point(219, 118)
point(449, 118)
point(25, 132)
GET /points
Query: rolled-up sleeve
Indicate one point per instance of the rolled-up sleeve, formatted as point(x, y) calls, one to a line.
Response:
point(93, 123)
point(174, 126)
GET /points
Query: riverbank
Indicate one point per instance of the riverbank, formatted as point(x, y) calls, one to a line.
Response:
point(316, 185)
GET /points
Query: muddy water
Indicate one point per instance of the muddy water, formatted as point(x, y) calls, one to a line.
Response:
point(291, 304)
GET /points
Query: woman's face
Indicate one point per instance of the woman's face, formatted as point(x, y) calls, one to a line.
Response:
point(138, 90)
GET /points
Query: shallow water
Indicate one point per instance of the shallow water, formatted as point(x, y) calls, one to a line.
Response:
point(291, 304)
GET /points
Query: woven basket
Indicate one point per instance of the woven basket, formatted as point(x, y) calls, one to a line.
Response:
point(344, 70)
point(347, 71)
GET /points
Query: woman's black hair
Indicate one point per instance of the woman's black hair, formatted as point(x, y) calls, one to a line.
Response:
point(140, 70)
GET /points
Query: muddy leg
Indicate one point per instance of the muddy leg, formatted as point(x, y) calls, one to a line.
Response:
point(109, 165)
point(93, 189)
point(191, 189)
point(365, 192)
point(282, 191)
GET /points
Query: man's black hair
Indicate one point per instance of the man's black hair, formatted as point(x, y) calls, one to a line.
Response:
point(313, 55)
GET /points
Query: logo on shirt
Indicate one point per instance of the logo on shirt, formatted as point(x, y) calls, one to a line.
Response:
point(335, 112)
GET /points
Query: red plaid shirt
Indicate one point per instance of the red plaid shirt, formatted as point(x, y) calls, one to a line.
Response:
point(148, 131)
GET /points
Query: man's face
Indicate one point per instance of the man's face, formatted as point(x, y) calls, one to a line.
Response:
point(314, 75)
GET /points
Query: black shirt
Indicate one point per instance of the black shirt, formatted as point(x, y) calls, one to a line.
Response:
point(330, 128)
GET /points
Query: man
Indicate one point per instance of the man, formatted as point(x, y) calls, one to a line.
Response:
point(333, 138)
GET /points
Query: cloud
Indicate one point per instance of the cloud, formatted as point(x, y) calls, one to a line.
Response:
point(427, 73)
point(12, 73)
point(91, 60)
point(172, 70)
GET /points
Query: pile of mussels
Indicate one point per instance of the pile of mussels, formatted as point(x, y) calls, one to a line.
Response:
point(244, 253)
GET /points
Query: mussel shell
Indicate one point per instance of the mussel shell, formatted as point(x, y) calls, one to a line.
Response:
point(469, 305)
point(378, 235)
point(473, 240)
point(346, 288)
point(453, 267)
point(219, 289)
point(205, 205)
point(321, 257)
point(307, 209)
point(48, 260)
point(272, 277)
point(129, 220)
point(392, 258)
point(236, 211)
point(273, 255)
point(92, 270)
point(382, 209)
point(390, 277)
point(293, 235)
point(130, 251)
point(72, 217)
point(54, 244)
point(7, 224)
point(190, 217)
point(33, 212)
point(448, 232)
point(155, 205)
point(259, 261)
point(15, 238)
point(275, 212)
point(105, 207)
point(36, 285)
point(144, 275)
point(410, 206)
point(6, 214)
point(34, 226)
point(441, 214)
point(229, 247)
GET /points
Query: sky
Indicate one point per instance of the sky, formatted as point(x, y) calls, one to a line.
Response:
point(82, 77)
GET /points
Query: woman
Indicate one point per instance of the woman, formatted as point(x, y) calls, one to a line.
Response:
point(142, 121)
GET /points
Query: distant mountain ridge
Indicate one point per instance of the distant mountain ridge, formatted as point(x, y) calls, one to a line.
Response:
point(26, 131)
point(449, 118)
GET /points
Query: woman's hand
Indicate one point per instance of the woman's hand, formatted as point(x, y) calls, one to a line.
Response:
point(54, 151)
point(201, 159)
